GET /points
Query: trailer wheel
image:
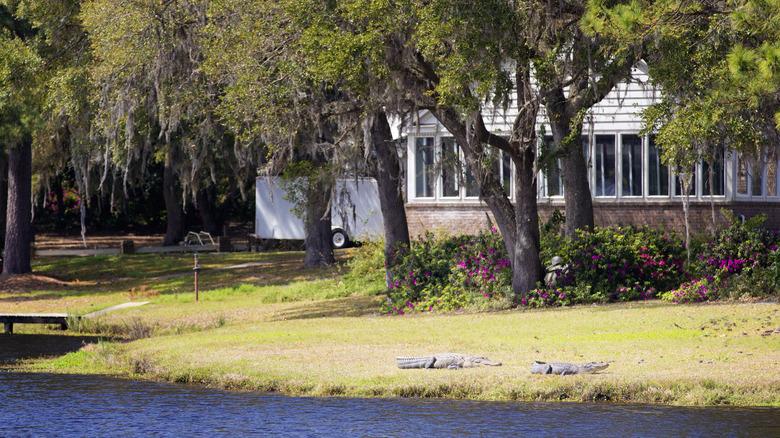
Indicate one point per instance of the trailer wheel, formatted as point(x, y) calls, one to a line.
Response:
point(340, 239)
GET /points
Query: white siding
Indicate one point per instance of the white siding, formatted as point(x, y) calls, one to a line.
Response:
point(616, 115)
point(617, 112)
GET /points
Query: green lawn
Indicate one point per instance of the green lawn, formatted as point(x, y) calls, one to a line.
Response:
point(318, 332)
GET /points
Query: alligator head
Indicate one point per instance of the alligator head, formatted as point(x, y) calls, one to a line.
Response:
point(592, 367)
point(476, 361)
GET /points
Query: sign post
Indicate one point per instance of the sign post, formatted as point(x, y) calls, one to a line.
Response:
point(196, 269)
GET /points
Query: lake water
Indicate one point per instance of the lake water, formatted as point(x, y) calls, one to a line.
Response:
point(70, 405)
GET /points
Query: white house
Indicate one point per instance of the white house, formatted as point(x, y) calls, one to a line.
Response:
point(629, 184)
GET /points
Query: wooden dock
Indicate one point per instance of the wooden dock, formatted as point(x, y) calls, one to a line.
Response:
point(9, 320)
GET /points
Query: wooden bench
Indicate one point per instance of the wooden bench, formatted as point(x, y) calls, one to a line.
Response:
point(34, 318)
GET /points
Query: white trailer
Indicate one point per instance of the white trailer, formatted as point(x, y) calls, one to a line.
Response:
point(358, 218)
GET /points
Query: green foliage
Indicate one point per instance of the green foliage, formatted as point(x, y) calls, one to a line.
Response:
point(773, 271)
point(552, 236)
point(20, 88)
point(743, 247)
point(300, 179)
point(613, 264)
point(469, 42)
point(693, 291)
point(449, 273)
point(739, 262)
point(423, 268)
point(717, 67)
point(365, 269)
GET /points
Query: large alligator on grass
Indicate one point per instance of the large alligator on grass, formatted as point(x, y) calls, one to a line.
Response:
point(452, 361)
point(564, 368)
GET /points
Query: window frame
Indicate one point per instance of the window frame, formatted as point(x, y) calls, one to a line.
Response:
point(621, 166)
point(425, 170)
point(750, 178)
point(615, 167)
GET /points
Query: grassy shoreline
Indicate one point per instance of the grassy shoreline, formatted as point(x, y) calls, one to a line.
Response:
point(317, 336)
point(652, 360)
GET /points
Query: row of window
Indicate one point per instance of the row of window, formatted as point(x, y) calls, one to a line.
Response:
point(620, 166)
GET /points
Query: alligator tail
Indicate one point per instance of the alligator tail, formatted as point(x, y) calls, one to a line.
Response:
point(414, 362)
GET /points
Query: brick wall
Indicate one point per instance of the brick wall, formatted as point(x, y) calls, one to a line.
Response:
point(452, 218)
point(471, 218)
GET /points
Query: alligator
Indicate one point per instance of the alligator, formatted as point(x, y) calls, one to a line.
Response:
point(564, 368)
point(452, 361)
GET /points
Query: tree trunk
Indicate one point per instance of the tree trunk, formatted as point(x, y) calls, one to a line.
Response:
point(578, 200)
point(574, 171)
point(390, 186)
point(3, 195)
point(208, 210)
point(518, 224)
point(490, 190)
point(18, 231)
point(319, 242)
point(685, 181)
point(174, 213)
point(526, 266)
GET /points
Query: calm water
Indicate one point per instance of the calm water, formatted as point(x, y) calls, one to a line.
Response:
point(65, 405)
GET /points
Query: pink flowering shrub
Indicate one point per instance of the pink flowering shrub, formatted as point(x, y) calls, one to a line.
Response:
point(614, 264)
point(694, 291)
point(740, 260)
point(448, 273)
point(740, 248)
point(606, 265)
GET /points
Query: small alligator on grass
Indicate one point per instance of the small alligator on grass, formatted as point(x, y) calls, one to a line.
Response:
point(564, 368)
point(452, 361)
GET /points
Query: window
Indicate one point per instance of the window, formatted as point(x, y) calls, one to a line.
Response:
point(424, 171)
point(553, 184)
point(472, 189)
point(586, 149)
point(631, 157)
point(658, 172)
point(586, 155)
point(505, 169)
point(742, 176)
point(451, 167)
point(678, 184)
point(771, 176)
point(605, 165)
point(757, 178)
point(718, 177)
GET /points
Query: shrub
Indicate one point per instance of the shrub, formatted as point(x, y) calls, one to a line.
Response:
point(552, 236)
point(694, 291)
point(739, 262)
point(741, 247)
point(424, 266)
point(366, 273)
point(482, 270)
point(605, 265)
point(614, 264)
point(449, 273)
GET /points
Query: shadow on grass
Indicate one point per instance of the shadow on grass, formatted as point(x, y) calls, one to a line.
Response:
point(102, 276)
point(20, 298)
point(337, 307)
point(33, 346)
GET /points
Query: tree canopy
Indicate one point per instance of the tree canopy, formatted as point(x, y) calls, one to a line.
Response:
point(210, 90)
